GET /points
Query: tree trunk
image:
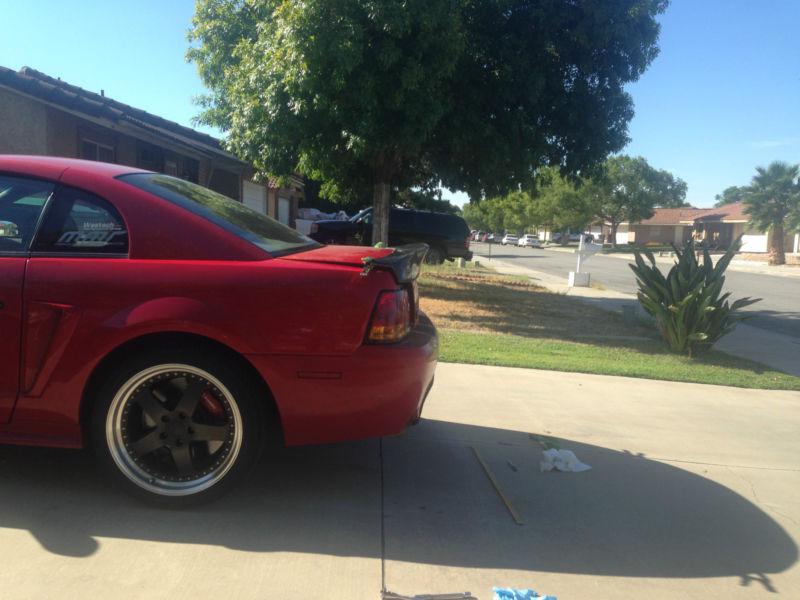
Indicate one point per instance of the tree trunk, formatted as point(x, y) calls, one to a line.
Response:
point(613, 234)
point(777, 255)
point(381, 205)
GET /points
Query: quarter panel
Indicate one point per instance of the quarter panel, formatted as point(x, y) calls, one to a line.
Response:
point(269, 307)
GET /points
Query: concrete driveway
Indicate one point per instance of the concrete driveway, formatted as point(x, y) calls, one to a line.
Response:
point(693, 493)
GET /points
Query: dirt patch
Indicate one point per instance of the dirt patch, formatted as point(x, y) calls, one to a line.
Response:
point(487, 303)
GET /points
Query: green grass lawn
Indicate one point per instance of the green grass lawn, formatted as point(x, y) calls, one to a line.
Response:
point(648, 361)
point(485, 318)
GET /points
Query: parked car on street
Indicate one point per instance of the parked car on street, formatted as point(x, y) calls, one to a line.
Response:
point(174, 330)
point(510, 239)
point(529, 240)
point(446, 235)
point(573, 238)
point(495, 238)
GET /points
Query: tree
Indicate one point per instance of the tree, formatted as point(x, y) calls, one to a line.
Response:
point(629, 189)
point(421, 199)
point(472, 93)
point(474, 214)
point(671, 189)
point(730, 195)
point(561, 203)
point(773, 204)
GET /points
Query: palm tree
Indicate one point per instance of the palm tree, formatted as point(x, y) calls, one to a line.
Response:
point(773, 203)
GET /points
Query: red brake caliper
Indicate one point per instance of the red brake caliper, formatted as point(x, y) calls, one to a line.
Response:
point(212, 405)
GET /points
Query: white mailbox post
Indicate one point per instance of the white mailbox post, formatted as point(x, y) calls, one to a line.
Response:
point(577, 278)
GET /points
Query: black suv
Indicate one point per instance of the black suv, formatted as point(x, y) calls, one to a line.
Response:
point(447, 235)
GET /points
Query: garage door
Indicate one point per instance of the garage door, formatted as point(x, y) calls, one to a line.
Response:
point(283, 210)
point(255, 196)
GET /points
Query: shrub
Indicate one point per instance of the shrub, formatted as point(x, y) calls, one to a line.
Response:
point(688, 305)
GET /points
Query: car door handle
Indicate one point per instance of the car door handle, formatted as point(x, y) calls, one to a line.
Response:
point(2, 304)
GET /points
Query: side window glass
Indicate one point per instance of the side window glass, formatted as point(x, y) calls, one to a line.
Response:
point(80, 222)
point(21, 203)
point(401, 220)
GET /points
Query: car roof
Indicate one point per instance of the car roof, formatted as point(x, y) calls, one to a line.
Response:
point(52, 167)
point(199, 238)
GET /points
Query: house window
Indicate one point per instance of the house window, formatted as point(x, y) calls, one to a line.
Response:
point(171, 168)
point(92, 150)
point(190, 170)
point(150, 158)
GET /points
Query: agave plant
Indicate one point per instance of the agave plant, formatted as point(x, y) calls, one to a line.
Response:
point(690, 310)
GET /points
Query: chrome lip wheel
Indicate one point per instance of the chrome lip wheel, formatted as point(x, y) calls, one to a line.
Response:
point(174, 430)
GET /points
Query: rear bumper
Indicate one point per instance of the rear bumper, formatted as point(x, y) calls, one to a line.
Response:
point(377, 390)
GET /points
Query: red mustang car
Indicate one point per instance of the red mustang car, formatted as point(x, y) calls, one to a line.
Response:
point(170, 327)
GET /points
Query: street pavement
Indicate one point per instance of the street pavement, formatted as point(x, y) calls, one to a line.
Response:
point(692, 494)
point(778, 311)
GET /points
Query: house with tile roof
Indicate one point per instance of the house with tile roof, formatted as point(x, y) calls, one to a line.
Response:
point(718, 227)
point(43, 115)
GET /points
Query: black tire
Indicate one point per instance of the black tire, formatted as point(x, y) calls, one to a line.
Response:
point(435, 256)
point(184, 467)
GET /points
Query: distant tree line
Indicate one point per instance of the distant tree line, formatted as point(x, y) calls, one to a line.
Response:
point(625, 189)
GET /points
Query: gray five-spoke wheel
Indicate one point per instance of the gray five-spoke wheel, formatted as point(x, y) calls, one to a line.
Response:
point(174, 429)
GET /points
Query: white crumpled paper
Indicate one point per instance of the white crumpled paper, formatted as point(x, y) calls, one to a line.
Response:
point(561, 460)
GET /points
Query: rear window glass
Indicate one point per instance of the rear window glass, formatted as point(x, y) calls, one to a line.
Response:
point(453, 224)
point(234, 217)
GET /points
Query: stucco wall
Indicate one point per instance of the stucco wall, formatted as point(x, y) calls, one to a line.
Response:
point(62, 133)
point(23, 127)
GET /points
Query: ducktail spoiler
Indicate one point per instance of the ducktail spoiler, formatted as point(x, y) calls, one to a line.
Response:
point(404, 262)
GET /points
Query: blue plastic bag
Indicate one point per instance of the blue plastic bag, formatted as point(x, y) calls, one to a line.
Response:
point(518, 594)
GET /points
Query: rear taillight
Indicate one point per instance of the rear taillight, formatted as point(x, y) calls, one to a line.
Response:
point(391, 319)
point(466, 242)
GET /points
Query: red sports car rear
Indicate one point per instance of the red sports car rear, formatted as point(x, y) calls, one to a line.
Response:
point(171, 327)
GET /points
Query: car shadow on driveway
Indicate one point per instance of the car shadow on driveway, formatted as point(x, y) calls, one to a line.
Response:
point(628, 516)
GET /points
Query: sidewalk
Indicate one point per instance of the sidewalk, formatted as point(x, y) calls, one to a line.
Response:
point(745, 266)
point(772, 349)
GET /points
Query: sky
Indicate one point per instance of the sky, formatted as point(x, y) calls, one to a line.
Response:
point(722, 97)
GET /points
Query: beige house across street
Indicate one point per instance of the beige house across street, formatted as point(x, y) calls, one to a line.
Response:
point(718, 227)
point(42, 115)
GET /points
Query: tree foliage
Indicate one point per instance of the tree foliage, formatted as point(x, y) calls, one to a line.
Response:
point(625, 190)
point(629, 189)
point(669, 190)
point(425, 199)
point(367, 94)
point(773, 204)
point(730, 195)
